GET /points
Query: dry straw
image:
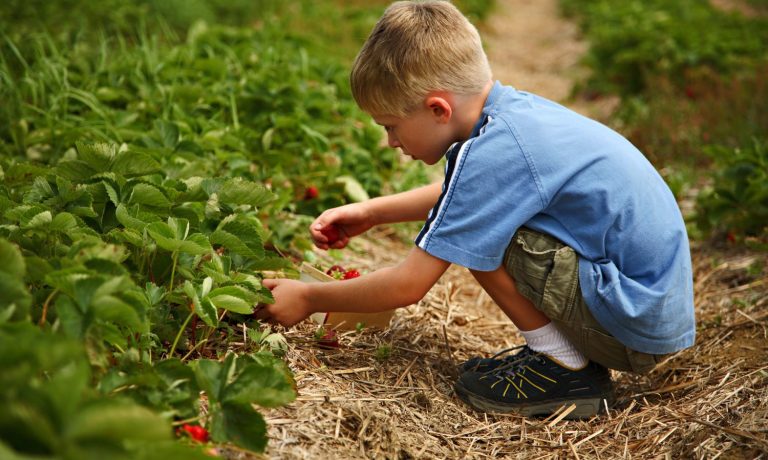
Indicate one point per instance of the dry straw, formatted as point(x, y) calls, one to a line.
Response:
point(389, 394)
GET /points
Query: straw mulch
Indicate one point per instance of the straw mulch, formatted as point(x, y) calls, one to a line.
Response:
point(388, 394)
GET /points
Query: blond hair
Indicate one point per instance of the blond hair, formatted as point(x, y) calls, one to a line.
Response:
point(416, 48)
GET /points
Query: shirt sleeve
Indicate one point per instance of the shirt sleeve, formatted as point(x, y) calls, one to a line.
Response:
point(491, 188)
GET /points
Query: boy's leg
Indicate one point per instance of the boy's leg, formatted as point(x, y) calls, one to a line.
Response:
point(540, 334)
point(531, 382)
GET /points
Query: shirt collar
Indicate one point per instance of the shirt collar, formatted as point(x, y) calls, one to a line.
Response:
point(496, 90)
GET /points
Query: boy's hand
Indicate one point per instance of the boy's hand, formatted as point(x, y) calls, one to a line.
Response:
point(334, 227)
point(291, 302)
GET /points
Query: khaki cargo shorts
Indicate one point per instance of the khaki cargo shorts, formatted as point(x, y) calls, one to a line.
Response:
point(546, 272)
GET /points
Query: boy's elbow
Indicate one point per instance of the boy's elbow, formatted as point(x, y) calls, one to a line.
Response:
point(409, 290)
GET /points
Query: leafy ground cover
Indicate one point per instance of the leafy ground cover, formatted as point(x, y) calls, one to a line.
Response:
point(158, 158)
point(693, 101)
point(155, 167)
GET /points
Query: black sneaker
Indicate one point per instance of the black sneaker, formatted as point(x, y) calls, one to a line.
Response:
point(478, 364)
point(537, 386)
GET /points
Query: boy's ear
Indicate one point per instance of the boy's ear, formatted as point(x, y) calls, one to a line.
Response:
point(440, 107)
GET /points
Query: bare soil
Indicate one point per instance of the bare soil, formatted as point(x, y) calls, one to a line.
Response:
point(388, 394)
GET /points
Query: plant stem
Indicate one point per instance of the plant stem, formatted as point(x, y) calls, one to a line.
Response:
point(45, 307)
point(173, 269)
point(199, 344)
point(181, 331)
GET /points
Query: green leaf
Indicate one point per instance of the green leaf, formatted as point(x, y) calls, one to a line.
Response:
point(132, 164)
point(117, 421)
point(148, 195)
point(97, 155)
point(11, 260)
point(240, 238)
point(204, 309)
point(63, 222)
point(40, 220)
point(75, 170)
point(169, 133)
point(233, 298)
point(237, 191)
point(132, 218)
point(165, 236)
point(210, 377)
point(241, 425)
point(260, 384)
point(14, 296)
point(353, 189)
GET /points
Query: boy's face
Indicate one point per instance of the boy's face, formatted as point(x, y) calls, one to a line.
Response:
point(420, 135)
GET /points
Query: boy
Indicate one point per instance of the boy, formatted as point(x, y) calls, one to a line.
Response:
point(561, 220)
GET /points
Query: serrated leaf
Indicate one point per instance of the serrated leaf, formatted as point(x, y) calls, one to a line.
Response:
point(148, 195)
point(132, 164)
point(40, 220)
point(127, 235)
point(204, 310)
point(240, 238)
point(208, 374)
point(237, 191)
point(241, 425)
point(233, 298)
point(117, 421)
point(63, 222)
point(75, 170)
point(124, 216)
point(231, 303)
point(97, 155)
point(196, 244)
point(164, 236)
point(112, 192)
point(260, 384)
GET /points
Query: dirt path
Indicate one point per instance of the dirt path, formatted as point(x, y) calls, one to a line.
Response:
point(531, 47)
point(389, 394)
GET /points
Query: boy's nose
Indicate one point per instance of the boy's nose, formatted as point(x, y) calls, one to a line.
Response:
point(393, 141)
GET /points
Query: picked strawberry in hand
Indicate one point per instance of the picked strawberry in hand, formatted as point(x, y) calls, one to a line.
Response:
point(332, 233)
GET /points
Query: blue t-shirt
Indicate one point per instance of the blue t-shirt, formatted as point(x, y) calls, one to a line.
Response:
point(531, 162)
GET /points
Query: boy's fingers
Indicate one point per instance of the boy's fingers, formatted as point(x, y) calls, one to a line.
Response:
point(270, 283)
point(262, 314)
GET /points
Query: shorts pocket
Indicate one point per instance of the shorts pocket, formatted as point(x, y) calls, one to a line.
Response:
point(529, 260)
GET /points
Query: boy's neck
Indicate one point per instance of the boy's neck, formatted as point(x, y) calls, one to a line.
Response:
point(468, 109)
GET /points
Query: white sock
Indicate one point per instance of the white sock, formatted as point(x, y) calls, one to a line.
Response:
point(550, 341)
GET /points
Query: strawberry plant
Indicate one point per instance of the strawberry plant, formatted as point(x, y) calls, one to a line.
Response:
point(151, 173)
point(737, 201)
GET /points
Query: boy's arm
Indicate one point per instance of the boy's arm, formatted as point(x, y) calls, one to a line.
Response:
point(384, 289)
point(412, 205)
point(353, 219)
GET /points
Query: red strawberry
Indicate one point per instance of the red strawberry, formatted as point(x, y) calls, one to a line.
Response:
point(328, 340)
point(310, 193)
point(351, 274)
point(196, 432)
point(336, 271)
point(331, 232)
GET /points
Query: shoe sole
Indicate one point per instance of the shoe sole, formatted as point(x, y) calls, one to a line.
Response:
point(585, 407)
